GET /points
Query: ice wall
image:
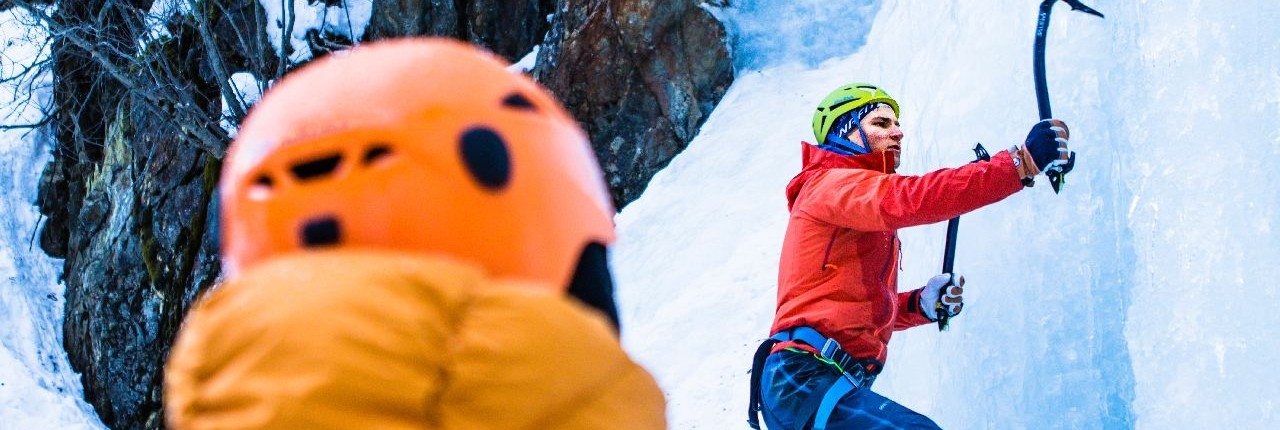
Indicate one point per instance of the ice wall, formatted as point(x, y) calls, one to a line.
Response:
point(1139, 297)
point(1194, 105)
point(812, 30)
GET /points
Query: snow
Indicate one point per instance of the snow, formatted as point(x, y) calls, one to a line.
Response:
point(37, 387)
point(248, 90)
point(348, 18)
point(527, 62)
point(161, 12)
point(1143, 296)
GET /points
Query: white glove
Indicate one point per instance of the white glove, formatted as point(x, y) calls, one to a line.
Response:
point(941, 293)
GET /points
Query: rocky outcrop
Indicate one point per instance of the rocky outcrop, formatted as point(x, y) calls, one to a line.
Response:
point(129, 197)
point(510, 28)
point(128, 204)
point(144, 249)
point(397, 18)
point(641, 76)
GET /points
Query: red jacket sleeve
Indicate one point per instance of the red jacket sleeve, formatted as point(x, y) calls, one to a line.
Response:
point(867, 200)
point(909, 315)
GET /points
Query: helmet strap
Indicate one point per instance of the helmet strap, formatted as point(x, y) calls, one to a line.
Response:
point(840, 145)
point(866, 144)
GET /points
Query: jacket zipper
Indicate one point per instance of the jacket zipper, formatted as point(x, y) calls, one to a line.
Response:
point(893, 261)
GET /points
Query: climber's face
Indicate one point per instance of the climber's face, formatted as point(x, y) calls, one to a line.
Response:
point(883, 132)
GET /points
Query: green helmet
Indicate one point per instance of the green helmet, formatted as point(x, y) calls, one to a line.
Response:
point(843, 100)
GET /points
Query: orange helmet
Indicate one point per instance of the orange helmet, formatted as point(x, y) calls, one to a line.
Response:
point(419, 145)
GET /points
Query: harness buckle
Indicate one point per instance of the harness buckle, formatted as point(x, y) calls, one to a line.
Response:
point(831, 351)
point(854, 370)
point(857, 375)
point(829, 348)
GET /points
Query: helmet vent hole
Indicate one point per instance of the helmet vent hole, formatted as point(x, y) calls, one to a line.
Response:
point(264, 181)
point(321, 232)
point(519, 101)
point(315, 169)
point(486, 157)
point(261, 188)
point(375, 153)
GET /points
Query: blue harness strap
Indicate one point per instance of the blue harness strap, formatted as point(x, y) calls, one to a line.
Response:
point(757, 365)
point(830, 400)
point(855, 374)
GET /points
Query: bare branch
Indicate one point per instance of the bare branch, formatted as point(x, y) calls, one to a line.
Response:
point(229, 93)
point(43, 122)
point(207, 139)
point(7, 4)
point(156, 83)
point(286, 37)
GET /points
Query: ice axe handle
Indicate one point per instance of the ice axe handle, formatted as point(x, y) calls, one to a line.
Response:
point(953, 230)
point(1056, 178)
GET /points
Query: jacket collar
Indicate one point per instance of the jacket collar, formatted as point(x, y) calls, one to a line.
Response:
point(816, 159)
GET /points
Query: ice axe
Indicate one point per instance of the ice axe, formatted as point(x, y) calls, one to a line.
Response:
point(1056, 177)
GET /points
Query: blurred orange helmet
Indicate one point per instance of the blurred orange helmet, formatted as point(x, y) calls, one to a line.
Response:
point(417, 145)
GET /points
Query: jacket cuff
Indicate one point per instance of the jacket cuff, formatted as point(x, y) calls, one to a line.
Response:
point(913, 304)
point(1025, 164)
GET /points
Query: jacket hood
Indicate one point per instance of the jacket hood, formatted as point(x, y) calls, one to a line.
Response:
point(815, 159)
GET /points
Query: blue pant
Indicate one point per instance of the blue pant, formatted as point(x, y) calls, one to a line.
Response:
point(790, 382)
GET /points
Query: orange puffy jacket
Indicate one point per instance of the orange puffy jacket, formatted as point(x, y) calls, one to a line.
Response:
point(348, 339)
point(840, 254)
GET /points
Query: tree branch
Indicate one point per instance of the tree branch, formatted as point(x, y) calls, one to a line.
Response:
point(229, 93)
point(47, 119)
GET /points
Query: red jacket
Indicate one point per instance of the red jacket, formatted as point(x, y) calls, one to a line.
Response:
point(841, 248)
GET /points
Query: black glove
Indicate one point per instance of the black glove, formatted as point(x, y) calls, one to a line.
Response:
point(1045, 149)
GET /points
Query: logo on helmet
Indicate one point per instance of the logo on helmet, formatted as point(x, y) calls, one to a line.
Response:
point(845, 124)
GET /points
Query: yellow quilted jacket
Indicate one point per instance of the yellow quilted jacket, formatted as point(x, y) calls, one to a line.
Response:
point(373, 340)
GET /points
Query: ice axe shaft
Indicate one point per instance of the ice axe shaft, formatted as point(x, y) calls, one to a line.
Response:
point(1042, 31)
point(1042, 87)
point(953, 230)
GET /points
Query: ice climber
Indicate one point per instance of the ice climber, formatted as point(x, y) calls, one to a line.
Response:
point(838, 299)
point(412, 238)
